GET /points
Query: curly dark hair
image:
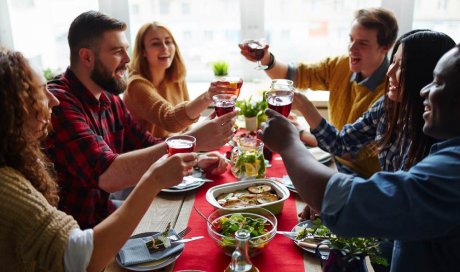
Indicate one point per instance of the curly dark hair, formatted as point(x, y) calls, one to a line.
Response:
point(422, 50)
point(18, 99)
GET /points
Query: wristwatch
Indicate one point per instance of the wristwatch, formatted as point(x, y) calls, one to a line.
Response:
point(271, 63)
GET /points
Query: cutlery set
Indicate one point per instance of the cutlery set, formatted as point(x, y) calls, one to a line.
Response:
point(174, 239)
point(178, 238)
point(186, 240)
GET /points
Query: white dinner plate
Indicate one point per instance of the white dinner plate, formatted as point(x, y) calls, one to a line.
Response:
point(309, 247)
point(185, 189)
point(320, 155)
point(286, 181)
point(153, 264)
point(188, 186)
point(291, 188)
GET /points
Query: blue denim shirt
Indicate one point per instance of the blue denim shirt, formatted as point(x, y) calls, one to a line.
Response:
point(420, 209)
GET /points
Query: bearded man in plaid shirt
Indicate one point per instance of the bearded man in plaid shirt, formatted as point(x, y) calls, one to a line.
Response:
point(97, 148)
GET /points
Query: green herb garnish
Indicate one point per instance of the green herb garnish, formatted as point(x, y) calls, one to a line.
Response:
point(349, 248)
point(250, 108)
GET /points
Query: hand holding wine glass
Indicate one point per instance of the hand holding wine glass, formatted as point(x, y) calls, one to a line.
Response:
point(255, 50)
point(230, 85)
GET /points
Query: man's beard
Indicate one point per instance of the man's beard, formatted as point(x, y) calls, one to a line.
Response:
point(103, 78)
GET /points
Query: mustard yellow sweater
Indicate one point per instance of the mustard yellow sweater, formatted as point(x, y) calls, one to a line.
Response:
point(347, 102)
point(160, 111)
point(33, 234)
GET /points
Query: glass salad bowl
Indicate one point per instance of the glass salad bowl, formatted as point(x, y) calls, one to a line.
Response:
point(222, 225)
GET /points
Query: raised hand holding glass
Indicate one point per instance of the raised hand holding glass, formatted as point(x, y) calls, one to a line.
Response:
point(256, 49)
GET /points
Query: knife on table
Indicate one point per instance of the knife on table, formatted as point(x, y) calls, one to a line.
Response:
point(159, 247)
point(187, 240)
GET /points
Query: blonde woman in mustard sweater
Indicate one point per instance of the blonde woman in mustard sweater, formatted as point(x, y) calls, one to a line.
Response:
point(354, 81)
point(157, 94)
point(34, 235)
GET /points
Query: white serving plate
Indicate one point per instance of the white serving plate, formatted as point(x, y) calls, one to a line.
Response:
point(275, 207)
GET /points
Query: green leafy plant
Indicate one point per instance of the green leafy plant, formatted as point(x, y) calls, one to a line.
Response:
point(49, 74)
point(220, 68)
point(350, 248)
point(250, 108)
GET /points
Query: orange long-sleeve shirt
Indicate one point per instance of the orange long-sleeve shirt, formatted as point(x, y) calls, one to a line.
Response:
point(161, 111)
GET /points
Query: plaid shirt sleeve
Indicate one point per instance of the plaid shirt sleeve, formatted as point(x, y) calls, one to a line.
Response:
point(353, 136)
point(77, 149)
point(135, 136)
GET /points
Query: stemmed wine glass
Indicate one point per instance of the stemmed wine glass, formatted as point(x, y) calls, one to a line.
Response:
point(256, 49)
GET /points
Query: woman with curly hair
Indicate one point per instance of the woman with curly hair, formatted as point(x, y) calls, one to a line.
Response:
point(157, 94)
point(35, 235)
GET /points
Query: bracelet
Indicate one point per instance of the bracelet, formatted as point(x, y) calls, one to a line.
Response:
point(271, 63)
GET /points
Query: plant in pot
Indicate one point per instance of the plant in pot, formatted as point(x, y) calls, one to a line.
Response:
point(345, 254)
point(220, 68)
point(251, 110)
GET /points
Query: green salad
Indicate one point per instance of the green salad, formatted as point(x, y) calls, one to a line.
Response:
point(228, 225)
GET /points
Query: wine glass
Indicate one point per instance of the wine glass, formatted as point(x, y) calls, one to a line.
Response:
point(224, 103)
point(280, 96)
point(233, 82)
point(256, 49)
point(180, 144)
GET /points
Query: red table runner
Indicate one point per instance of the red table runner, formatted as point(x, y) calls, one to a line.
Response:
point(280, 255)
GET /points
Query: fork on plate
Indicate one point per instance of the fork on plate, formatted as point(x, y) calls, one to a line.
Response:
point(289, 234)
point(293, 236)
point(155, 247)
point(180, 234)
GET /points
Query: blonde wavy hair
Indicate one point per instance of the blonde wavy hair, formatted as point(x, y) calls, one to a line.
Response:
point(139, 64)
point(18, 100)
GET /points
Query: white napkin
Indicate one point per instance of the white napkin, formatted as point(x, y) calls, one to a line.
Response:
point(190, 181)
point(135, 250)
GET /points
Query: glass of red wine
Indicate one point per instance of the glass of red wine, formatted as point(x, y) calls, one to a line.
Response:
point(224, 103)
point(256, 49)
point(280, 96)
point(180, 144)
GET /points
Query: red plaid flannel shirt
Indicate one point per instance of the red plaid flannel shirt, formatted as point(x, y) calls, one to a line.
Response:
point(88, 135)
